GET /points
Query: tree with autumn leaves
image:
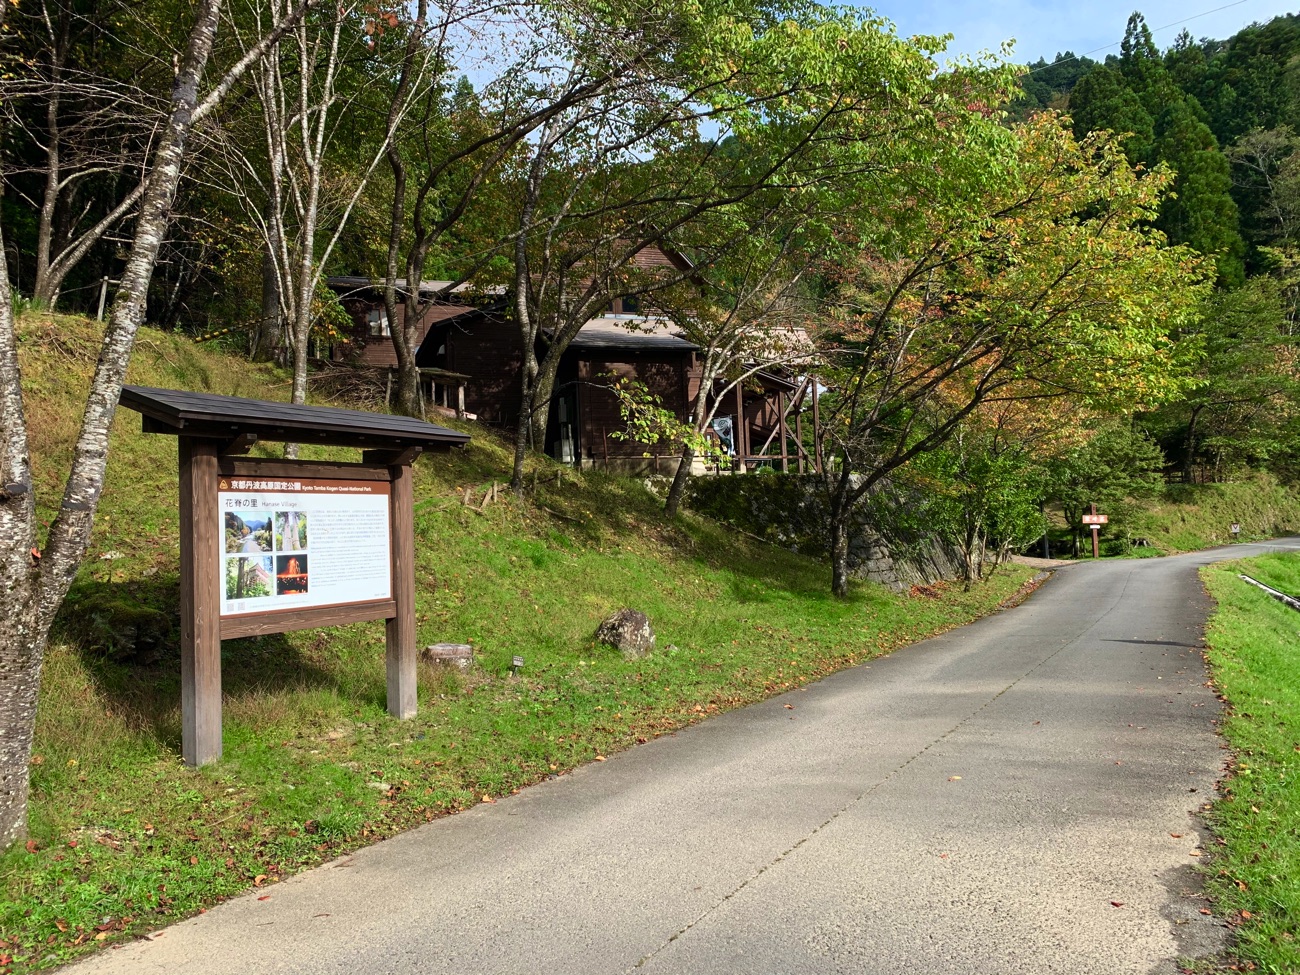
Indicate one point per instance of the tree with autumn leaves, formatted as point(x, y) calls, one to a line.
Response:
point(1033, 272)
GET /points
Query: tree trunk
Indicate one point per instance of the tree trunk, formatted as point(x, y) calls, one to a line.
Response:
point(839, 530)
point(543, 390)
point(22, 650)
point(410, 397)
point(22, 641)
point(522, 428)
point(680, 479)
point(528, 383)
point(266, 340)
point(1189, 445)
point(31, 600)
point(46, 287)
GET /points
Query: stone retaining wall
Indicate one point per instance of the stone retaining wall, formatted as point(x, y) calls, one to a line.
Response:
point(791, 510)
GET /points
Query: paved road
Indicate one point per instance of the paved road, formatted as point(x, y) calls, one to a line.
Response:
point(1002, 799)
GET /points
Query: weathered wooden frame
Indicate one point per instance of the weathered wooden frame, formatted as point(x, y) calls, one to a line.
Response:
point(213, 432)
point(203, 628)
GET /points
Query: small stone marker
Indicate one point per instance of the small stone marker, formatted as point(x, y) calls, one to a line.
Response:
point(629, 632)
point(459, 655)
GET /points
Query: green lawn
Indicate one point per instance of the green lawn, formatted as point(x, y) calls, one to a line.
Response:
point(1255, 653)
point(126, 839)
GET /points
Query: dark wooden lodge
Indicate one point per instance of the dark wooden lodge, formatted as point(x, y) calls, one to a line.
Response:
point(477, 345)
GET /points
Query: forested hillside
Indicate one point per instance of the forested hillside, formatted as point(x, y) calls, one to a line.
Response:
point(1223, 115)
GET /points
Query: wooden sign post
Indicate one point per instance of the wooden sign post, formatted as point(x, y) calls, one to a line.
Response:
point(269, 546)
point(1095, 521)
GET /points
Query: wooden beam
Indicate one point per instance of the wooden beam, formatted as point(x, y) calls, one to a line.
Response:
point(400, 630)
point(240, 444)
point(200, 603)
point(391, 458)
point(285, 620)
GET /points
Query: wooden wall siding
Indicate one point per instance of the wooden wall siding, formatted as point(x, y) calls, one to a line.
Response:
point(378, 351)
point(488, 352)
point(599, 415)
point(763, 419)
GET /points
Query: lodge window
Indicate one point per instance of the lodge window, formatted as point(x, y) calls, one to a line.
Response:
point(377, 322)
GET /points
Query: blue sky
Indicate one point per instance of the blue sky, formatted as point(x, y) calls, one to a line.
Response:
point(1042, 28)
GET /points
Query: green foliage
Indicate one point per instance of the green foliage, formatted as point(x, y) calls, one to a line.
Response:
point(650, 423)
point(1048, 84)
point(1103, 101)
point(1255, 880)
point(1117, 469)
point(1160, 123)
point(1242, 412)
point(984, 493)
point(1201, 212)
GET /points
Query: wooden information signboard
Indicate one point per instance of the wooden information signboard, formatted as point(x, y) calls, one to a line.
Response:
point(269, 546)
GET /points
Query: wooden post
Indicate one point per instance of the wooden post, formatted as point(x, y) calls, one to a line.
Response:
point(460, 399)
point(1096, 531)
point(400, 630)
point(103, 296)
point(200, 603)
point(817, 428)
point(738, 434)
point(798, 424)
point(780, 415)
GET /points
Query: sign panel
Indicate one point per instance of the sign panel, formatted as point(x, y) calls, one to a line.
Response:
point(1096, 519)
point(293, 543)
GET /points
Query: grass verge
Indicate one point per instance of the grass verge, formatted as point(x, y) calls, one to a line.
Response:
point(125, 839)
point(1255, 877)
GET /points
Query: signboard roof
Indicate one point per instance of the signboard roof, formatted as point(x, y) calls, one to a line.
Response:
point(187, 414)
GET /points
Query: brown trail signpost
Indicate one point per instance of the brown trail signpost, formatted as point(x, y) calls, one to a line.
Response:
point(1095, 521)
point(269, 546)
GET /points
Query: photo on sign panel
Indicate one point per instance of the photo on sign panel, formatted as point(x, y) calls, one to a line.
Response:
point(290, 574)
point(248, 532)
point(249, 578)
point(290, 531)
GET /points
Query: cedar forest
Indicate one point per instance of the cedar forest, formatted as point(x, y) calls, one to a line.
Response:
point(1025, 286)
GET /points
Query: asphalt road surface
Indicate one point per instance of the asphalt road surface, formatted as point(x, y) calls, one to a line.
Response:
point(1017, 796)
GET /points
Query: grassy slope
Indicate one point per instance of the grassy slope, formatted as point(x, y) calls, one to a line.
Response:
point(1256, 875)
point(1192, 517)
point(126, 838)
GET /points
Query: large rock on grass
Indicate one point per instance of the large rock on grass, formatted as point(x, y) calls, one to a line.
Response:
point(629, 632)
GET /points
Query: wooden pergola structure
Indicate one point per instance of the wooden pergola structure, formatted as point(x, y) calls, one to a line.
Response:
point(789, 396)
point(368, 506)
